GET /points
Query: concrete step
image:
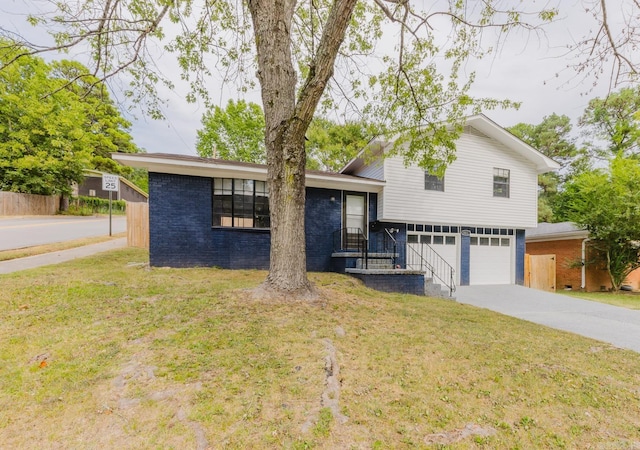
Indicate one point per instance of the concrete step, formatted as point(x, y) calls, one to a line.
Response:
point(433, 289)
point(375, 263)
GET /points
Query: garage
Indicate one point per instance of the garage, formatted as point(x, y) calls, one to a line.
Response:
point(490, 260)
point(445, 245)
point(491, 253)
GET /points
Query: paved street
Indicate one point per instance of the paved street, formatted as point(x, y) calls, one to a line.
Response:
point(20, 232)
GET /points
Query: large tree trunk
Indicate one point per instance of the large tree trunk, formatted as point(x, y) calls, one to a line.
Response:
point(285, 149)
point(286, 124)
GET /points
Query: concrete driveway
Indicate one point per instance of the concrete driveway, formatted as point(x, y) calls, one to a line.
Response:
point(612, 324)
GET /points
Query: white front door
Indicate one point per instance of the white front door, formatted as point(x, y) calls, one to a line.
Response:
point(355, 220)
point(355, 212)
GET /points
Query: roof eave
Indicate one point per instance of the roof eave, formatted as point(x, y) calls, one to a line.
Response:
point(578, 234)
point(229, 170)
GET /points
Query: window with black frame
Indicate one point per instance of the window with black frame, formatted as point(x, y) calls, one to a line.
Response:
point(240, 203)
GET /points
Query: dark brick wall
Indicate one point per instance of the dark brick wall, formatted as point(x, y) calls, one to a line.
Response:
point(520, 249)
point(181, 234)
point(377, 237)
point(465, 258)
point(373, 207)
point(323, 216)
point(404, 283)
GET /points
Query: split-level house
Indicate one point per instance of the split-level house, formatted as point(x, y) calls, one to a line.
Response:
point(467, 227)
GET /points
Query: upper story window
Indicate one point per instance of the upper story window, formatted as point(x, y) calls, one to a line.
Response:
point(240, 203)
point(500, 182)
point(433, 182)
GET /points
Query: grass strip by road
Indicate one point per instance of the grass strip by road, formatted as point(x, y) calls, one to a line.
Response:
point(104, 352)
point(629, 300)
point(7, 255)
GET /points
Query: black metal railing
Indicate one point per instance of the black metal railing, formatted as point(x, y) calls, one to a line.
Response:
point(385, 243)
point(352, 240)
point(423, 257)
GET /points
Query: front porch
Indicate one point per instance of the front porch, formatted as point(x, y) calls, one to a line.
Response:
point(381, 261)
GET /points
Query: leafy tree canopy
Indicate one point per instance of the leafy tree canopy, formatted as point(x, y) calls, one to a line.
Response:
point(612, 124)
point(552, 137)
point(607, 203)
point(51, 129)
point(330, 145)
point(235, 133)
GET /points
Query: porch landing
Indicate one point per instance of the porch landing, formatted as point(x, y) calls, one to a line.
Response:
point(406, 281)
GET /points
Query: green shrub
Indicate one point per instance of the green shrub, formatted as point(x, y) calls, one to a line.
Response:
point(85, 206)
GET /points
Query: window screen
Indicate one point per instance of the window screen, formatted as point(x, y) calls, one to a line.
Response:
point(501, 182)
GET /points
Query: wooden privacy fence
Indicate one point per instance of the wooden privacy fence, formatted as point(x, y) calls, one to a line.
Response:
point(15, 204)
point(540, 272)
point(138, 225)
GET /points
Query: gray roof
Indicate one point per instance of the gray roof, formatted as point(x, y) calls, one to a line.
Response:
point(555, 230)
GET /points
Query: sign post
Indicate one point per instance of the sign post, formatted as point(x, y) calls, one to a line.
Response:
point(110, 183)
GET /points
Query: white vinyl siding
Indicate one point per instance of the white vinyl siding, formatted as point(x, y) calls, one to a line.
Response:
point(375, 170)
point(468, 197)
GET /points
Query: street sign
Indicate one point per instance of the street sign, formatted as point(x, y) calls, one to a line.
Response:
point(110, 182)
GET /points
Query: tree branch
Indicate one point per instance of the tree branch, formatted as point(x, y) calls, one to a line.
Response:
point(322, 65)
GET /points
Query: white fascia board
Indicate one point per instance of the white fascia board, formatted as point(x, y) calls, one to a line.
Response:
point(375, 145)
point(193, 168)
point(579, 234)
point(344, 183)
point(211, 169)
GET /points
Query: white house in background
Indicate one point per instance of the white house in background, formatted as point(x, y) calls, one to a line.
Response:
point(475, 216)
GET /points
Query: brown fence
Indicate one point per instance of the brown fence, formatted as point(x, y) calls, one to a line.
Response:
point(138, 225)
point(14, 204)
point(540, 272)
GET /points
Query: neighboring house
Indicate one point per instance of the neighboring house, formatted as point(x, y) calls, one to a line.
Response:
point(578, 266)
point(208, 212)
point(92, 187)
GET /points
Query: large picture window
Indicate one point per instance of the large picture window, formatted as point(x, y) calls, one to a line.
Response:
point(501, 182)
point(240, 203)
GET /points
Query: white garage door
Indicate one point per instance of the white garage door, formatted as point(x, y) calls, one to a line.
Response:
point(446, 246)
point(490, 260)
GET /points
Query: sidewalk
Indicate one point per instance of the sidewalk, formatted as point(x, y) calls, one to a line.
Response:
point(46, 259)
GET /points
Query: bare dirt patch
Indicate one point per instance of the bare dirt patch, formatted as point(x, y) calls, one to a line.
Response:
point(135, 400)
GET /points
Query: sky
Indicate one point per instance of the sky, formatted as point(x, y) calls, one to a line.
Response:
point(524, 70)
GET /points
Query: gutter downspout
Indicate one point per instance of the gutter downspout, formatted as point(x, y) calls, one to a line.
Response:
point(584, 264)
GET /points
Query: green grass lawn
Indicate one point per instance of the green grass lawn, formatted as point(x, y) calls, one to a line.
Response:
point(105, 353)
point(629, 300)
